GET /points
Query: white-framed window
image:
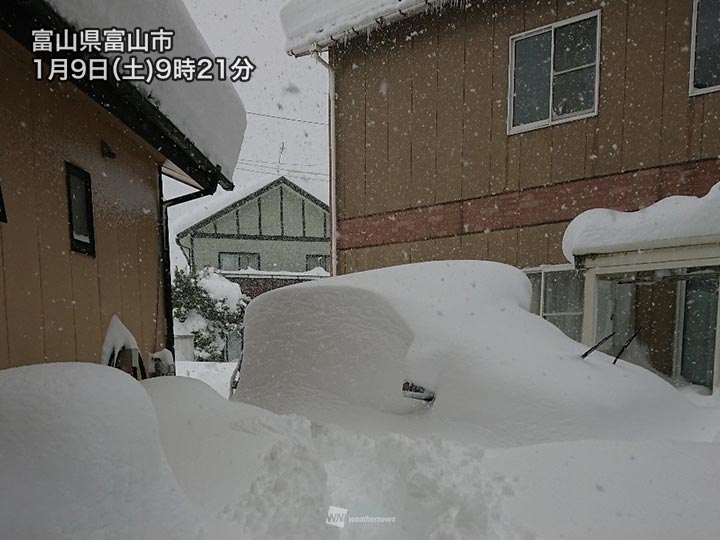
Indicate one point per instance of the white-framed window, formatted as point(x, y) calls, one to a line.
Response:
point(558, 297)
point(554, 73)
point(705, 50)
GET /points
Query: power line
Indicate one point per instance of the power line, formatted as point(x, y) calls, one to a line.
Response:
point(276, 169)
point(274, 163)
point(287, 118)
point(291, 176)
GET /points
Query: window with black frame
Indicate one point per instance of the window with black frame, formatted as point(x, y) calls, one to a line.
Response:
point(80, 210)
point(3, 214)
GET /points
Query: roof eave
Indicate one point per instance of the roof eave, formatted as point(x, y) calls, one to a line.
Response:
point(119, 98)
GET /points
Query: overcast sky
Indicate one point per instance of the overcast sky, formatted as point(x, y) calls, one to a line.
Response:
point(281, 86)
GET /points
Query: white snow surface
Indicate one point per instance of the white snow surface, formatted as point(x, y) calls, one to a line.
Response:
point(209, 113)
point(86, 453)
point(80, 459)
point(215, 374)
point(307, 22)
point(255, 474)
point(338, 350)
point(669, 222)
point(117, 338)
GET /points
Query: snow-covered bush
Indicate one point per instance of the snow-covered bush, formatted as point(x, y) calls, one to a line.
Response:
point(210, 307)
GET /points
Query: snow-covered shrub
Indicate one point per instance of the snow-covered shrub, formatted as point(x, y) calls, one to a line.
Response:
point(210, 307)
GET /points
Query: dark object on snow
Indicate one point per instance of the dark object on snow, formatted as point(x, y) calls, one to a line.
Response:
point(413, 391)
point(596, 346)
point(626, 345)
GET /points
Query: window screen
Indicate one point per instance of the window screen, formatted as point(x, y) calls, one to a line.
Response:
point(554, 74)
point(706, 60)
point(80, 209)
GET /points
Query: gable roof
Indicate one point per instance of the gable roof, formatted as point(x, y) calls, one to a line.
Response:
point(198, 126)
point(315, 25)
point(281, 181)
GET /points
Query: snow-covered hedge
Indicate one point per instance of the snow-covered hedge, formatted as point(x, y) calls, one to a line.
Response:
point(208, 307)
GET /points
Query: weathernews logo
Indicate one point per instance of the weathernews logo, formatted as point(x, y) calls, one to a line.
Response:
point(338, 517)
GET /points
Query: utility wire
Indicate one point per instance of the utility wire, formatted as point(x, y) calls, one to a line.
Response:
point(287, 118)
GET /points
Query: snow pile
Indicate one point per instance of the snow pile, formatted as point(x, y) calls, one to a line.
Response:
point(209, 113)
point(215, 374)
point(254, 474)
point(338, 350)
point(117, 338)
point(80, 458)
point(669, 222)
point(307, 22)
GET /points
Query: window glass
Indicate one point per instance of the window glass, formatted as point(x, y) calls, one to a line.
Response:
point(3, 215)
point(229, 261)
point(249, 260)
point(707, 44)
point(554, 73)
point(563, 292)
point(315, 261)
point(574, 92)
point(536, 282)
point(532, 79)
point(575, 45)
point(80, 210)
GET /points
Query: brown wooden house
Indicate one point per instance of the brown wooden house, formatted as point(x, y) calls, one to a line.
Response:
point(479, 130)
point(81, 234)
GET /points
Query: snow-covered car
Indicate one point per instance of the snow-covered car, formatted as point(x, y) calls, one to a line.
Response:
point(344, 350)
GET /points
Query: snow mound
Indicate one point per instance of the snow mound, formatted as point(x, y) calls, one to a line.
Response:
point(338, 350)
point(80, 458)
point(307, 22)
point(215, 374)
point(261, 475)
point(209, 113)
point(669, 222)
point(117, 338)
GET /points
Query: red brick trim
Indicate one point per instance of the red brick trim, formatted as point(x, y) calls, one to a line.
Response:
point(536, 206)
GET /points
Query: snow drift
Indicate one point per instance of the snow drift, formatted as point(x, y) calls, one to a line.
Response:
point(80, 458)
point(338, 350)
point(669, 222)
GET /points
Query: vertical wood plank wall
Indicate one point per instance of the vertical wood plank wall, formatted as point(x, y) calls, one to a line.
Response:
point(422, 119)
point(55, 304)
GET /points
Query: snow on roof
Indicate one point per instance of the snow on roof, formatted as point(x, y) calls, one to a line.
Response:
point(209, 113)
point(677, 220)
point(315, 24)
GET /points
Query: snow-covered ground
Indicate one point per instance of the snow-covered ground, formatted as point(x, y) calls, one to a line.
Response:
point(215, 374)
point(525, 440)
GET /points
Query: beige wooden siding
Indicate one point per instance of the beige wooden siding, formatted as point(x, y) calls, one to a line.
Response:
point(451, 73)
point(55, 305)
point(456, 68)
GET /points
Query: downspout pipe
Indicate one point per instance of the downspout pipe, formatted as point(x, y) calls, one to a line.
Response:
point(333, 160)
point(167, 271)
